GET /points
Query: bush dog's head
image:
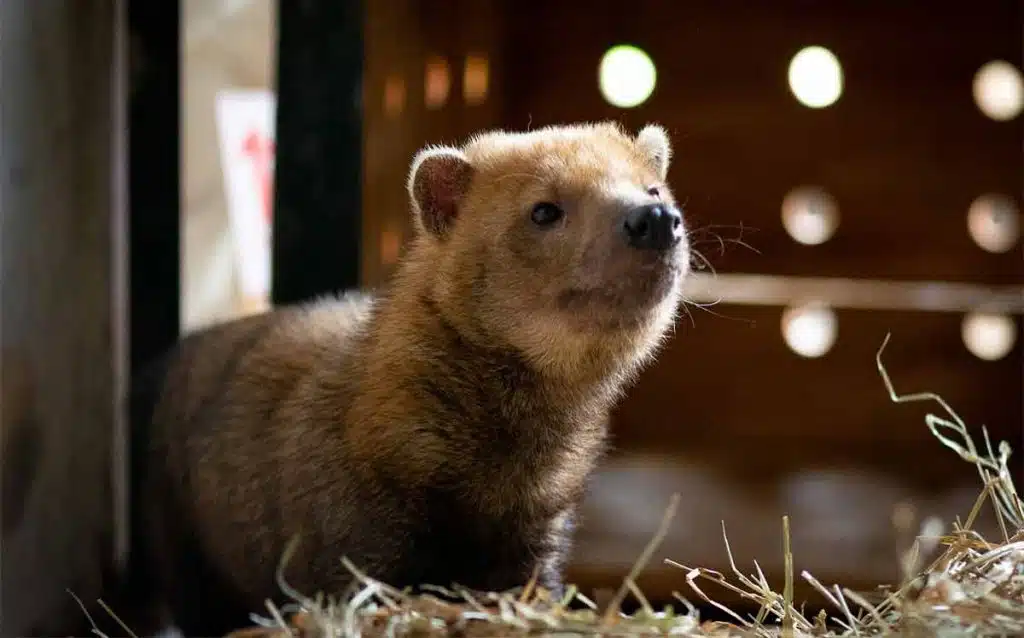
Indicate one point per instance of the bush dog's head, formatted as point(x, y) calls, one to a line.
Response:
point(564, 243)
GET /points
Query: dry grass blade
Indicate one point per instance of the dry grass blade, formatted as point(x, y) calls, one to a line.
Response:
point(616, 602)
point(88, 616)
point(787, 550)
point(1009, 503)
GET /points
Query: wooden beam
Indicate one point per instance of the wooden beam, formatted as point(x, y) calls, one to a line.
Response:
point(861, 294)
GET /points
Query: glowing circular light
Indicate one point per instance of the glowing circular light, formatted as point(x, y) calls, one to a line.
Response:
point(390, 247)
point(988, 336)
point(474, 79)
point(626, 76)
point(437, 83)
point(994, 223)
point(999, 90)
point(394, 95)
point(810, 215)
point(810, 330)
point(816, 77)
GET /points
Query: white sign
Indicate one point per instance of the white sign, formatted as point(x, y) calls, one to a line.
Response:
point(245, 123)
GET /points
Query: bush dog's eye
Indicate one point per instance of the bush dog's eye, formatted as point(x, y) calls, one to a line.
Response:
point(546, 213)
point(653, 191)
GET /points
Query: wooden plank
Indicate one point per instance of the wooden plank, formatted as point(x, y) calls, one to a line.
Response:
point(863, 294)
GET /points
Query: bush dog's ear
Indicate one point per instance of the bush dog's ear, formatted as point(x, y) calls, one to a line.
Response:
point(438, 180)
point(653, 142)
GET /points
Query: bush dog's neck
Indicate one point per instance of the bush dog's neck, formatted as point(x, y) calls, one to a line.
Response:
point(431, 385)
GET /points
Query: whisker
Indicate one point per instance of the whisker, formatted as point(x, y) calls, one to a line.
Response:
point(697, 255)
point(693, 323)
point(739, 226)
point(704, 234)
point(705, 308)
point(721, 241)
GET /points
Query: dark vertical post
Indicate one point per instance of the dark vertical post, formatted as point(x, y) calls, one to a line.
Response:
point(153, 237)
point(318, 175)
point(154, 177)
point(61, 271)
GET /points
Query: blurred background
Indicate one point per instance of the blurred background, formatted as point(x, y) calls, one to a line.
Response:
point(851, 169)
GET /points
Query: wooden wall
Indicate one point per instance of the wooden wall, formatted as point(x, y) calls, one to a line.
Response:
point(416, 67)
point(745, 429)
point(904, 150)
point(749, 430)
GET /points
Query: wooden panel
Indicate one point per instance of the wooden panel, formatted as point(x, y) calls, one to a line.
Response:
point(402, 38)
point(392, 90)
point(744, 428)
point(904, 150)
point(62, 344)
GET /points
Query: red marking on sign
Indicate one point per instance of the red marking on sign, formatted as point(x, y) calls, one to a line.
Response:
point(261, 151)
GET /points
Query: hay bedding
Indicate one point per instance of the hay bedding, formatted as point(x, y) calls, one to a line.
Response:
point(975, 586)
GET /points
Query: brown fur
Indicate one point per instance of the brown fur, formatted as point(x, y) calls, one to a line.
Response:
point(442, 431)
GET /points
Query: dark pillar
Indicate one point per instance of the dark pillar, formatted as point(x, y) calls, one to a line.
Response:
point(155, 177)
point(154, 258)
point(61, 271)
point(318, 180)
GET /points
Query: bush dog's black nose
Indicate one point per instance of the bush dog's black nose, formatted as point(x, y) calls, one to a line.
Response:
point(653, 227)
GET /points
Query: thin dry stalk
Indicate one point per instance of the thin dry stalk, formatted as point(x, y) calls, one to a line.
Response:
point(616, 602)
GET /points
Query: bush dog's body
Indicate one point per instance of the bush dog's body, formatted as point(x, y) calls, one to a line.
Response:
point(442, 431)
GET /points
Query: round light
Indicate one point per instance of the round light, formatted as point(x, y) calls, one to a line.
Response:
point(809, 330)
point(626, 76)
point(810, 215)
point(394, 95)
point(988, 336)
point(474, 79)
point(815, 77)
point(437, 83)
point(390, 247)
point(994, 223)
point(999, 90)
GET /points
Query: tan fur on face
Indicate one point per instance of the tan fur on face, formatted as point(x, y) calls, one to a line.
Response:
point(596, 170)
